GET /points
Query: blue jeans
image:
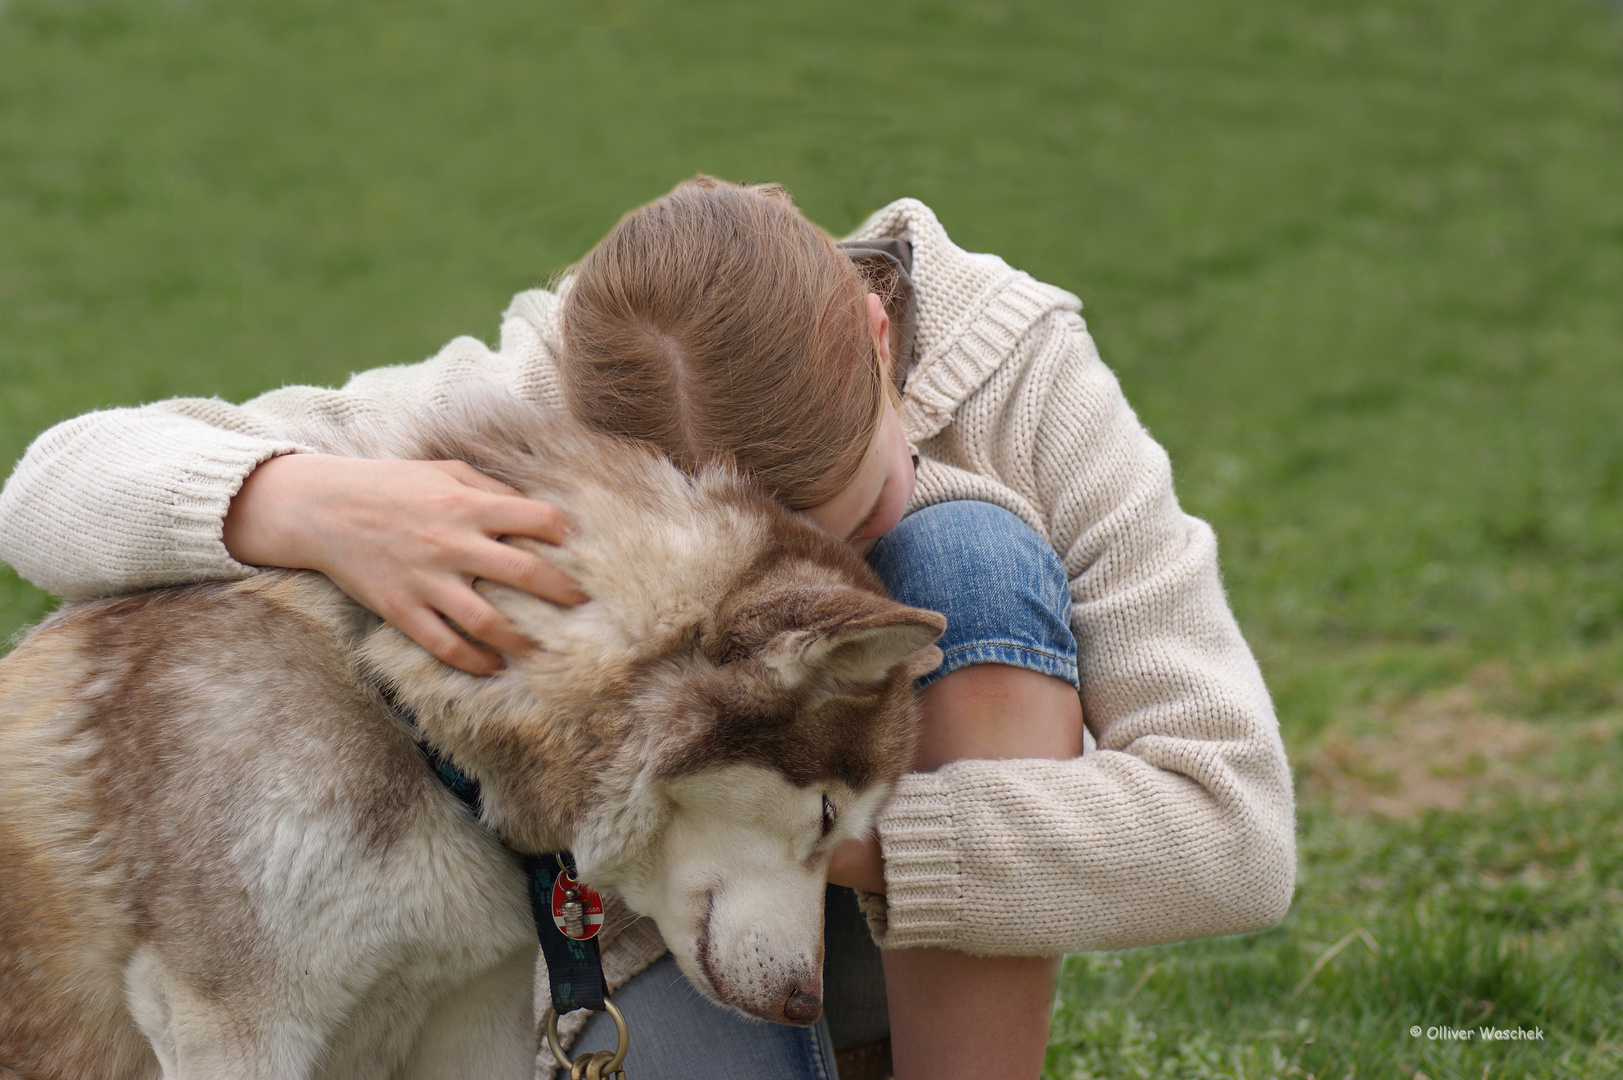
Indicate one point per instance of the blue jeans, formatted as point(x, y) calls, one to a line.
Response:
point(1007, 601)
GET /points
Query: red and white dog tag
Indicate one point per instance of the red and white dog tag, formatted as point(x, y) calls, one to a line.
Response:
point(577, 910)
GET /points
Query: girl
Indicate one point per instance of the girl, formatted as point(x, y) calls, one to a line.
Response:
point(944, 412)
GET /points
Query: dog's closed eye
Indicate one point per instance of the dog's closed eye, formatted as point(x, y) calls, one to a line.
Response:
point(830, 815)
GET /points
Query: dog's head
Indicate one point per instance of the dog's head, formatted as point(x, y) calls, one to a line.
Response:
point(733, 702)
point(783, 738)
point(753, 707)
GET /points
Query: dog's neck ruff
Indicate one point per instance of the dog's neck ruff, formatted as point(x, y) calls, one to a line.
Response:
point(574, 966)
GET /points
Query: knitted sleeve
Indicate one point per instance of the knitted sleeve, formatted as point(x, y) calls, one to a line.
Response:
point(134, 498)
point(1181, 824)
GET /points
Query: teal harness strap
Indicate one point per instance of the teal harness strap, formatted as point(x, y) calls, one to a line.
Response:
point(574, 967)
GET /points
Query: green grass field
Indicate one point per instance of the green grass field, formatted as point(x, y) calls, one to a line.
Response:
point(1358, 265)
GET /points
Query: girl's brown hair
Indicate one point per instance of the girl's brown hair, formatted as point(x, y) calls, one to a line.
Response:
point(719, 324)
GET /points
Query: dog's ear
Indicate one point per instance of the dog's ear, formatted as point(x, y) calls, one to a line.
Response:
point(861, 648)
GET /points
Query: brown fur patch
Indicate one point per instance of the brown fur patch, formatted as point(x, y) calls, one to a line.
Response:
point(161, 782)
point(59, 898)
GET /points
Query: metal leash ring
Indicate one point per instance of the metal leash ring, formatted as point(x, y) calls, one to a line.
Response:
point(591, 1066)
point(598, 1066)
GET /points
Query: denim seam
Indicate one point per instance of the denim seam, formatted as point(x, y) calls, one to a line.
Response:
point(819, 1061)
point(1062, 667)
point(956, 649)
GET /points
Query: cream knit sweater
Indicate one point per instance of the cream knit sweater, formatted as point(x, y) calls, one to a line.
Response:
point(1179, 825)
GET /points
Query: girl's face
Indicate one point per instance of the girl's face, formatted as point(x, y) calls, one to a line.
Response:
point(872, 503)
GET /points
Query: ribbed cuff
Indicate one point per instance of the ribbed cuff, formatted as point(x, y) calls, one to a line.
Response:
point(127, 499)
point(923, 883)
point(197, 498)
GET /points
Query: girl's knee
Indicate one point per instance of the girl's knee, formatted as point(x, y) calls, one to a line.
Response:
point(1001, 586)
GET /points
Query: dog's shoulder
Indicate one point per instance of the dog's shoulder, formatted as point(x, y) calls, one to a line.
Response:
point(223, 689)
point(203, 790)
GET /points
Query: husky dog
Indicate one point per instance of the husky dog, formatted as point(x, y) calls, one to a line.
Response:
point(223, 854)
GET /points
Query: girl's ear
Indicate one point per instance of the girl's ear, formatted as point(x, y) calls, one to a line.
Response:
point(879, 323)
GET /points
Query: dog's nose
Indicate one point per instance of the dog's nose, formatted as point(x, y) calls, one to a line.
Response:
point(803, 1006)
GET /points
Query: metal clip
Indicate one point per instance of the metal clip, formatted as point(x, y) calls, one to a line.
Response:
point(574, 915)
point(602, 1065)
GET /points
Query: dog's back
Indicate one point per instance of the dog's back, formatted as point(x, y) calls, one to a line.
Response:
point(62, 1010)
point(199, 792)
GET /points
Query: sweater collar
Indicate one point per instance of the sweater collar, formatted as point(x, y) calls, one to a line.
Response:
point(972, 311)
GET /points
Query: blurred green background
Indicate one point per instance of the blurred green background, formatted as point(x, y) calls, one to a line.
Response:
point(1358, 266)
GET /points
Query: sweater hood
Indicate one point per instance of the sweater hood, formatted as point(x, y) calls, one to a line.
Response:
point(972, 310)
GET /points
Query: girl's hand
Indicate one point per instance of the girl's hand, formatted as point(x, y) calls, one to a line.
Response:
point(857, 864)
point(405, 539)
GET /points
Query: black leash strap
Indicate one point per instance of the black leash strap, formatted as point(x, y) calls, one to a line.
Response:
point(574, 968)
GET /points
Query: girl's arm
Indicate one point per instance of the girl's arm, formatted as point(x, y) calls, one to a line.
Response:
point(127, 499)
point(199, 489)
point(1181, 824)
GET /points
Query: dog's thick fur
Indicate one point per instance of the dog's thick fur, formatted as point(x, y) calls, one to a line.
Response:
point(223, 855)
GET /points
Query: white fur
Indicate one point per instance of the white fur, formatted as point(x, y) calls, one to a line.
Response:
point(428, 955)
point(736, 881)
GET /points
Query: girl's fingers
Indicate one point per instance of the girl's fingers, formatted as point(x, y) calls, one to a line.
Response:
point(511, 513)
point(464, 473)
point(858, 864)
point(480, 619)
point(517, 516)
point(424, 626)
point(508, 564)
